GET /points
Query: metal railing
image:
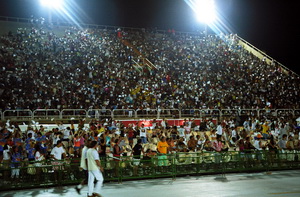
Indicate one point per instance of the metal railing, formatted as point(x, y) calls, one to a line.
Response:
point(269, 58)
point(47, 173)
point(73, 113)
point(124, 113)
point(17, 114)
point(99, 113)
point(47, 114)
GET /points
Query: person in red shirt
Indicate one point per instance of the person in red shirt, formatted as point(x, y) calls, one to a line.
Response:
point(76, 144)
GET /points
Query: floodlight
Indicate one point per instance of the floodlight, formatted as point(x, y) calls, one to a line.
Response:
point(205, 11)
point(56, 4)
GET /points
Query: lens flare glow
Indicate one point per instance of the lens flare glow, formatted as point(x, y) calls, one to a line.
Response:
point(205, 11)
point(56, 4)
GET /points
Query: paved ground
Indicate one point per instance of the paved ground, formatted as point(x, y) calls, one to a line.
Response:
point(279, 183)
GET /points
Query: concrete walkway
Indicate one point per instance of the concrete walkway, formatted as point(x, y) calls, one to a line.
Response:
point(278, 183)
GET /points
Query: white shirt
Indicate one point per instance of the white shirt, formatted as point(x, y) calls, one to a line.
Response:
point(83, 158)
point(256, 145)
point(92, 155)
point(61, 127)
point(143, 132)
point(163, 124)
point(6, 155)
point(33, 133)
point(66, 134)
point(55, 139)
point(233, 133)
point(57, 152)
point(38, 157)
point(219, 130)
point(181, 132)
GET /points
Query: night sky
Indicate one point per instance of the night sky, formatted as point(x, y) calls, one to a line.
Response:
point(270, 25)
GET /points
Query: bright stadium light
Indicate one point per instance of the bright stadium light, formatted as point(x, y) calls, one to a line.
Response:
point(55, 4)
point(205, 11)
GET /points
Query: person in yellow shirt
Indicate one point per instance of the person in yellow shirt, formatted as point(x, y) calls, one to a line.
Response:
point(100, 129)
point(265, 130)
point(162, 148)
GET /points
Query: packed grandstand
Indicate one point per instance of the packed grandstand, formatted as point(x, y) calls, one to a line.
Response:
point(112, 69)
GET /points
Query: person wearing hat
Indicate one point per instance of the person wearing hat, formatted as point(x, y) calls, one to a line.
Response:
point(258, 142)
point(258, 146)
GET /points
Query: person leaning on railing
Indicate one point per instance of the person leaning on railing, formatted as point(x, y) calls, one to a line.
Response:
point(217, 146)
point(162, 148)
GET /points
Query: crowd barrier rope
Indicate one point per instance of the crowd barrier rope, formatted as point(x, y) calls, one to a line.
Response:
point(66, 172)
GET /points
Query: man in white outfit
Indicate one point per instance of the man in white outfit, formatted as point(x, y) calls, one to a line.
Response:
point(83, 167)
point(95, 170)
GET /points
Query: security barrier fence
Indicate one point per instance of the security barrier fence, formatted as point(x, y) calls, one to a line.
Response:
point(66, 114)
point(66, 172)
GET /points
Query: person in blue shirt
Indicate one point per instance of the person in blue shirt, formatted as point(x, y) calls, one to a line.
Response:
point(2, 144)
point(30, 152)
point(40, 137)
point(16, 158)
point(28, 140)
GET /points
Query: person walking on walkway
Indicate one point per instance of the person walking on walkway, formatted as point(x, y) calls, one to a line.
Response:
point(95, 170)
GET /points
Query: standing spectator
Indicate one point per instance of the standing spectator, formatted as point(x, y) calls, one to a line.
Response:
point(181, 131)
point(38, 157)
point(102, 144)
point(76, 145)
point(57, 153)
point(217, 146)
point(258, 145)
point(136, 152)
point(83, 167)
point(163, 124)
point(282, 142)
point(290, 144)
point(219, 129)
point(95, 170)
point(143, 134)
point(66, 137)
point(192, 143)
point(187, 130)
point(162, 148)
point(233, 134)
point(16, 158)
point(265, 130)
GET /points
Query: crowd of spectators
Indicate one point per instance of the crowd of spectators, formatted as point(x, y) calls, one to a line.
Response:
point(93, 68)
point(115, 140)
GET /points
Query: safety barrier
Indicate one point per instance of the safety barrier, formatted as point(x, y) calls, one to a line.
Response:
point(169, 113)
point(124, 113)
point(17, 114)
point(73, 113)
point(99, 113)
point(64, 172)
point(146, 113)
point(47, 114)
point(248, 112)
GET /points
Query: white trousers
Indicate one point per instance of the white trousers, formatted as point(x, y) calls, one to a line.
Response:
point(95, 174)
